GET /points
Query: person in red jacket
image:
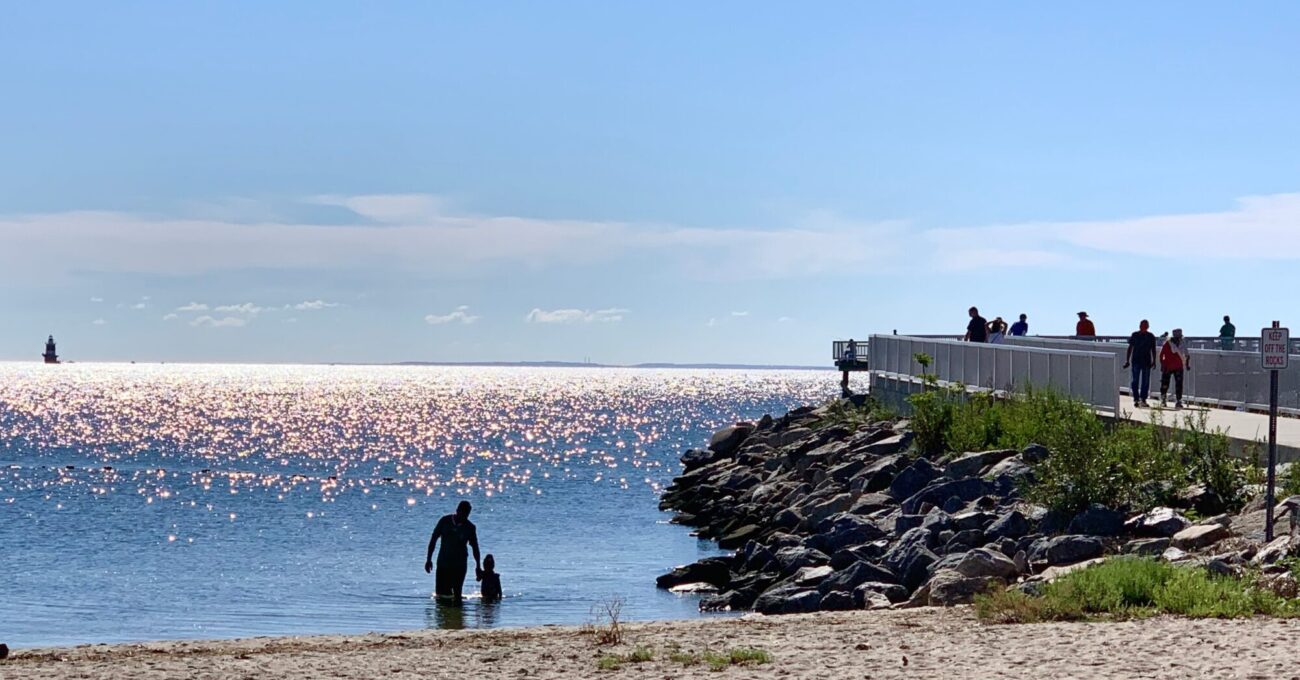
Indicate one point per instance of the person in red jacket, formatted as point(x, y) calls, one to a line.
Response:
point(1174, 362)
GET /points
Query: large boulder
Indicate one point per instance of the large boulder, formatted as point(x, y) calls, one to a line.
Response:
point(811, 577)
point(868, 503)
point(1280, 548)
point(937, 493)
point(892, 592)
point(1097, 520)
point(724, 442)
point(889, 445)
point(836, 601)
point(697, 458)
point(741, 536)
point(1201, 499)
point(788, 599)
point(1034, 454)
point(818, 512)
point(910, 558)
point(912, 479)
point(1011, 525)
point(878, 475)
point(973, 463)
point(712, 570)
point(855, 575)
point(982, 563)
point(792, 559)
point(1058, 550)
point(949, 587)
point(1199, 536)
point(1158, 523)
point(843, 531)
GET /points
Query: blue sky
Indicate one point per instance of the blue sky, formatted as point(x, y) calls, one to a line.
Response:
point(738, 182)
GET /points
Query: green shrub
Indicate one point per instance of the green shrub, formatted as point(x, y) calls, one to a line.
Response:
point(1207, 456)
point(932, 414)
point(1128, 587)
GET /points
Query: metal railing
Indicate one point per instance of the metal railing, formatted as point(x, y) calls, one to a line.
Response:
point(1231, 379)
point(840, 351)
point(1090, 376)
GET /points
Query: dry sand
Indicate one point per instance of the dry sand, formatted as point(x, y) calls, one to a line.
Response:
point(926, 643)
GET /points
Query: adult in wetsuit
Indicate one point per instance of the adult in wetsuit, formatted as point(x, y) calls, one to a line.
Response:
point(456, 531)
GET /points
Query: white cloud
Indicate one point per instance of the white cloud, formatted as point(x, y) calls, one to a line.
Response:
point(784, 319)
point(139, 305)
point(244, 308)
point(417, 237)
point(193, 307)
point(99, 322)
point(224, 322)
point(711, 322)
point(171, 317)
point(460, 314)
point(740, 313)
point(313, 305)
point(292, 319)
point(97, 299)
point(559, 316)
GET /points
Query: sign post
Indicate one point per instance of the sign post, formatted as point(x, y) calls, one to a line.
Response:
point(1274, 356)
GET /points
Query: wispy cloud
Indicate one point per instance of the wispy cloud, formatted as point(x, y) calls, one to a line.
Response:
point(312, 305)
point(97, 299)
point(224, 322)
point(459, 315)
point(171, 317)
point(99, 322)
point(242, 308)
point(740, 313)
point(560, 316)
point(193, 307)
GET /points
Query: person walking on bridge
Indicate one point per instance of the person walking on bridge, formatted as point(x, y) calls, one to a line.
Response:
point(1174, 362)
point(1227, 334)
point(1084, 329)
point(1141, 357)
point(978, 329)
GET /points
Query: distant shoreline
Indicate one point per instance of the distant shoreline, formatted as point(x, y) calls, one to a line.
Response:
point(469, 364)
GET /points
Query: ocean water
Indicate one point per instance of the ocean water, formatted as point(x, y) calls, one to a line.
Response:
point(204, 501)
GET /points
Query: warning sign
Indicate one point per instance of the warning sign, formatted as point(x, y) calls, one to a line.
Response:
point(1274, 348)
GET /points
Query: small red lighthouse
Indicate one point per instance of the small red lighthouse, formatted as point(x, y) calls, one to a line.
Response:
point(50, 356)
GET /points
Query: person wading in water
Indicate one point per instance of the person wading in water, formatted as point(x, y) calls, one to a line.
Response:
point(456, 531)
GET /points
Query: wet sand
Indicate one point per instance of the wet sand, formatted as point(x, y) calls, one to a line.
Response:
point(926, 643)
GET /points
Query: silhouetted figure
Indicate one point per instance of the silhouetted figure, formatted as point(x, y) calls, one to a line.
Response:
point(1085, 328)
point(456, 532)
point(978, 328)
point(491, 587)
point(1227, 334)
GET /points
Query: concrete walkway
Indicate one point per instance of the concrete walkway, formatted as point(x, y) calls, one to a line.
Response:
point(1247, 430)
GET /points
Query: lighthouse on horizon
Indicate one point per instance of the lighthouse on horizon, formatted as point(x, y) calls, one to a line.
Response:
point(50, 356)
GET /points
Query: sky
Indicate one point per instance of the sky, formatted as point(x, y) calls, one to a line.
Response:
point(627, 182)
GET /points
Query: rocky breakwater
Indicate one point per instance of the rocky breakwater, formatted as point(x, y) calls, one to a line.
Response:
point(825, 514)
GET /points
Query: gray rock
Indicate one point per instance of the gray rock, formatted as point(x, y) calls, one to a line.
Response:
point(1147, 547)
point(1097, 520)
point(892, 593)
point(912, 479)
point(711, 570)
point(820, 511)
point(1013, 468)
point(936, 521)
point(1158, 522)
point(788, 599)
point(1034, 454)
point(868, 503)
point(1202, 499)
point(937, 492)
point(855, 575)
point(737, 538)
point(1197, 537)
point(847, 530)
point(889, 445)
point(953, 505)
point(1172, 554)
point(872, 600)
point(972, 463)
point(973, 519)
point(811, 577)
point(791, 560)
point(787, 519)
point(910, 559)
point(971, 538)
point(696, 458)
point(1218, 567)
point(837, 600)
point(878, 475)
point(1053, 522)
point(1011, 525)
point(725, 441)
point(1021, 559)
point(905, 523)
point(843, 472)
point(1068, 549)
point(1280, 548)
point(983, 563)
point(949, 588)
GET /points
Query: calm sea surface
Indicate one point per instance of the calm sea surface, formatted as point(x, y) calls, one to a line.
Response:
point(185, 501)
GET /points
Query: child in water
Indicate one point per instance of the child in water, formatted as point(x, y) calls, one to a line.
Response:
point(491, 587)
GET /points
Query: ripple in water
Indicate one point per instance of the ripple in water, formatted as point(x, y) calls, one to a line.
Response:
point(142, 502)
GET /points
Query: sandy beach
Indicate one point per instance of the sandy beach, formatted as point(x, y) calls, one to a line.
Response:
point(927, 643)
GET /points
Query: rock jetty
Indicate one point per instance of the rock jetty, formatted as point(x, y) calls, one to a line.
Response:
point(824, 514)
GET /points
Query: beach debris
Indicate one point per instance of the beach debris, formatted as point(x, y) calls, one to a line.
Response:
point(4, 651)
